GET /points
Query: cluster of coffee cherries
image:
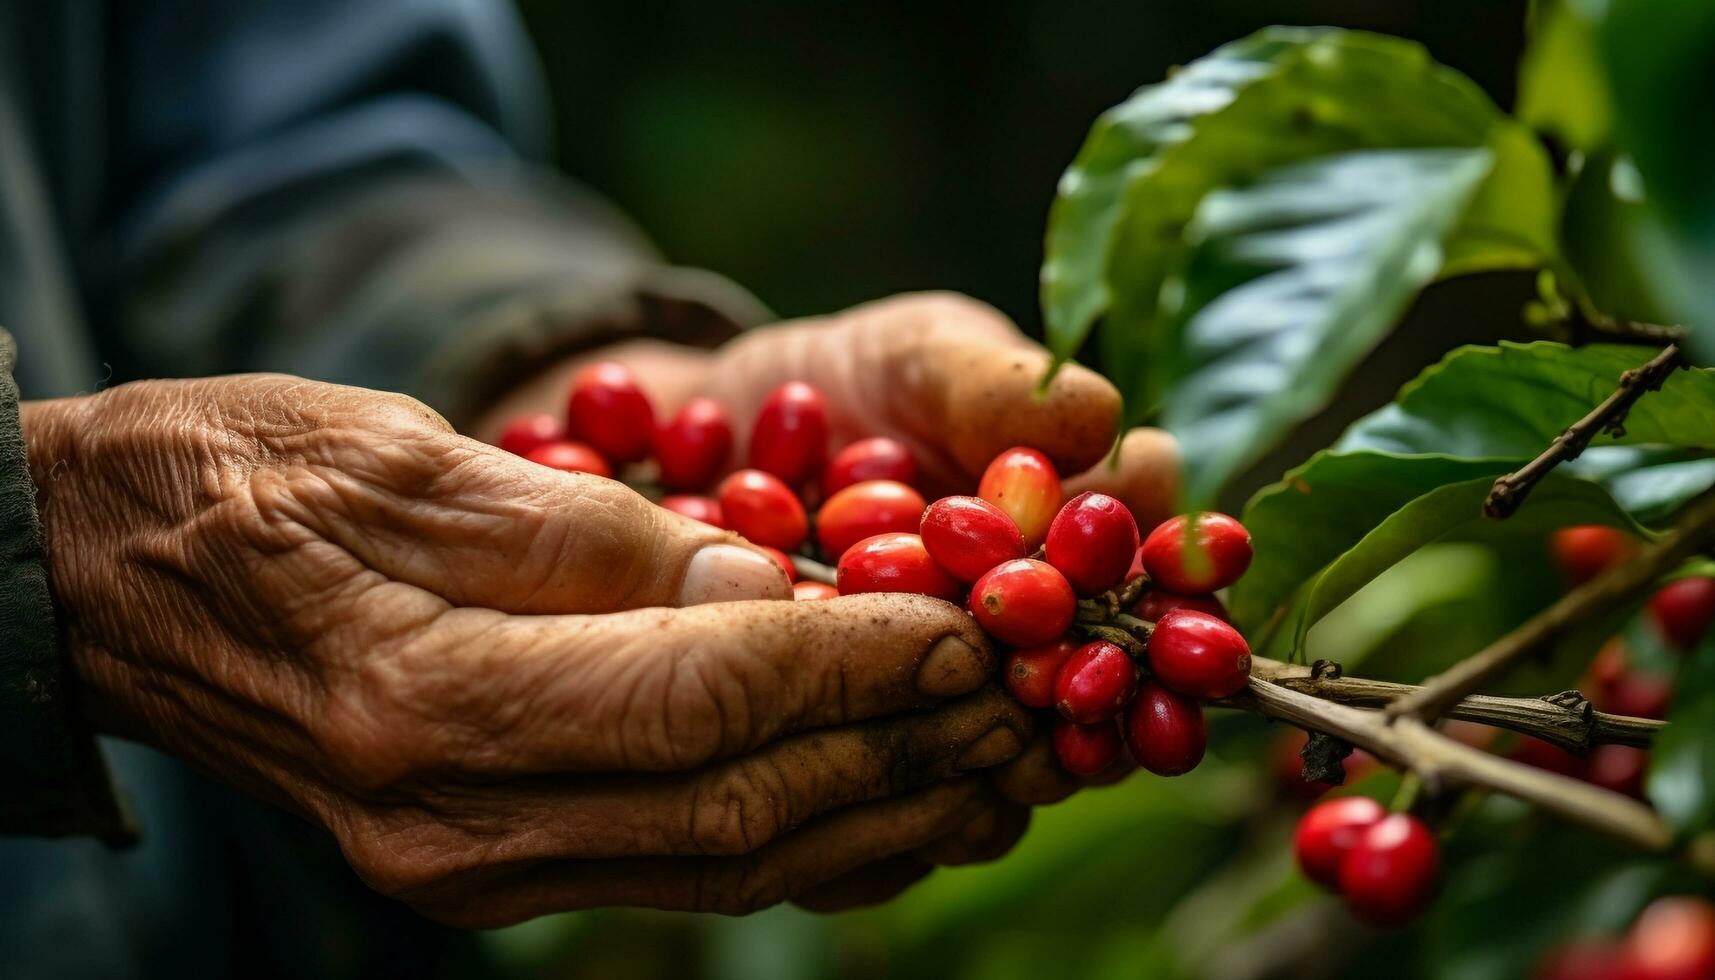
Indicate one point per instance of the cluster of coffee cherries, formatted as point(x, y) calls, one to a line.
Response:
point(1672, 939)
point(1016, 554)
point(1384, 864)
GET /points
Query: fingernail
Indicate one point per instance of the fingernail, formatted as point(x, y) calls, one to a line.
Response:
point(951, 667)
point(998, 745)
point(728, 572)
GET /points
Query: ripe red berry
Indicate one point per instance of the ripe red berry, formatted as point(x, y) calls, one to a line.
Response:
point(864, 510)
point(527, 432)
point(1619, 768)
point(1389, 873)
point(703, 509)
point(1084, 750)
point(805, 591)
point(1025, 484)
point(1327, 831)
point(1023, 602)
point(1095, 683)
point(969, 536)
point(1547, 756)
point(570, 457)
point(1674, 939)
point(1030, 671)
point(1288, 757)
point(694, 444)
point(879, 458)
point(1190, 554)
point(1198, 655)
point(1092, 541)
point(895, 562)
point(763, 509)
point(1156, 603)
point(1165, 732)
point(609, 411)
point(782, 559)
point(1682, 610)
point(790, 438)
point(1585, 550)
point(1638, 694)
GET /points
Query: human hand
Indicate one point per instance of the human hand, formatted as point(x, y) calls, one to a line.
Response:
point(493, 683)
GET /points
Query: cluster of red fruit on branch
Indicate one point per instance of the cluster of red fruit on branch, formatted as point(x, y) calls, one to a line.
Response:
point(1672, 939)
point(1384, 864)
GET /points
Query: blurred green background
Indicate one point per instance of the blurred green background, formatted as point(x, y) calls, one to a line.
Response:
point(827, 156)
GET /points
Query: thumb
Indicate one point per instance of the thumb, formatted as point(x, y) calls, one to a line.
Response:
point(1144, 477)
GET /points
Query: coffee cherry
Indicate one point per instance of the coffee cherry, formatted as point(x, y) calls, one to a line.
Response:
point(1389, 873)
point(763, 509)
point(525, 433)
point(1025, 484)
point(1095, 683)
point(1586, 550)
point(1197, 553)
point(806, 591)
point(1023, 602)
point(703, 509)
point(895, 562)
point(790, 438)
point(1682, 610)
point(1674, 939)
point(1165, 732)
point(1029, 672)
point(1619, 768)
point(1156, 603)
point(1288, 756)
point(782, 559)
point(969, 536)
point(1638, 694)
point(570, 457)
point(609, 411)
point(1327, 831)
point(879, 458)
point(864, 510)
point(1084, 750)
point(694, 444)
point(1548, 757)
point(1198, 655)
point(1092, 541)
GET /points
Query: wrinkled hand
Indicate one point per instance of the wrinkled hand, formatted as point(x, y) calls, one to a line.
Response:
point(954, 380)
point(505, 690)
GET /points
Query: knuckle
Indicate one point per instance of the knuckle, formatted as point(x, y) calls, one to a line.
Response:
point(740, 811)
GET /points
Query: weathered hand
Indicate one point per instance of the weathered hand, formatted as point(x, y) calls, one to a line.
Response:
point(491, 681)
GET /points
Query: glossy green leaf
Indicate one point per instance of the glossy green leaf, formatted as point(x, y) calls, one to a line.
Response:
point(1682, 764)
point(1562, 90)
point(1650, 482)
point(1294, 280)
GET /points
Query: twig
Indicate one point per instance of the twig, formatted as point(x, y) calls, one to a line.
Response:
point(1567, 720)
point(812, 570)
point(1615, 586)
point(1510, 490)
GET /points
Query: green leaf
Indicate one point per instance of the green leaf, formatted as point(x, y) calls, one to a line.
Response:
point(1612, 239)
point(1562, 89)
point(1294, 280)
point(1682, 763)
point(1651, 483)
point(1509, 402)
point(1118, 231)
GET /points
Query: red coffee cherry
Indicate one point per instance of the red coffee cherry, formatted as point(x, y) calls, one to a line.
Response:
point(806, 591)
point(1025, 484)
point(1682, 610)
point(609, 411)
point(1288, 755)
point(864, 510)
point(1547, 756)
point(1023, 602)
point(1084, 750)
point(790, 438)
point(694, 444)
point(763, 509)
point(1198, 655)
point(703, 509)
point(782, 559)
point(969, 536)
point(526, 433)
point(1092, 541)
point(1156, 603)
point(1389, 873)
point(1638, 694)
point(879, 458)
point(1165, 732)
point(1327, 831)
point(1674, 939)
point(1584, 551)
point(1218, 553)
point(1095, 683)
point(895, 562)
point(1030, 671)
point(570, 457)
point(1619, 768)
